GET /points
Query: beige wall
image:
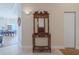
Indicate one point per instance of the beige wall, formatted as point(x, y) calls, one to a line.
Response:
point(56, 12)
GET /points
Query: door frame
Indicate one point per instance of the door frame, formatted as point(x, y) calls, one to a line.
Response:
point(74, 26)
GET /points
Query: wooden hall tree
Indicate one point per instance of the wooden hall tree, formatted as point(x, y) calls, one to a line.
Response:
point(41, 35)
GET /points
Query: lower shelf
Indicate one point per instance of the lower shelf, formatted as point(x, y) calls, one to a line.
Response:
point(41, 49)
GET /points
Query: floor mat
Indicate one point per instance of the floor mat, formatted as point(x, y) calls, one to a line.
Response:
point(70, 51)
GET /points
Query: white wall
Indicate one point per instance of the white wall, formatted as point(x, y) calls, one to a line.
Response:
point(56, 12)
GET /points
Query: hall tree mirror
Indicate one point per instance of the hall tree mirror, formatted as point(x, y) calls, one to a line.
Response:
point(41, 24)
point(41, 35)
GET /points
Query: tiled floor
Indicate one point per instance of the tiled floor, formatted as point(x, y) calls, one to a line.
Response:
point(17, 50)
point(10, 40)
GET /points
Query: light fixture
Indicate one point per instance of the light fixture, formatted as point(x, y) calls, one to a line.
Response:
point(27, 11)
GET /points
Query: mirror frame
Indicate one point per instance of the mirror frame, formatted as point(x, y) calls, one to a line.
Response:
point(41, 15)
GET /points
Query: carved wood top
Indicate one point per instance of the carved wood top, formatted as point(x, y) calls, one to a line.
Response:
point(41, 14)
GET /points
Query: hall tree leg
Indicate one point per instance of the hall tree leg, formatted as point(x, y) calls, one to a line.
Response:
point(33, 43)
point(49, 43)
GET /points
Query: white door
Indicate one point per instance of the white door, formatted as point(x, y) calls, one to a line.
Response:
point(69, 29)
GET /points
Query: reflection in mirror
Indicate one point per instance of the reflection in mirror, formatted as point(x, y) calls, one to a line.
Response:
point(46, 25)
point(36, 25)
point(41, 23)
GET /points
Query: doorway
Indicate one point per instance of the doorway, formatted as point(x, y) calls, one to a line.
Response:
point(10, 29)
point(70, 29)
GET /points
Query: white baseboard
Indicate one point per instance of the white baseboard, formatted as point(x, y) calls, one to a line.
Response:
point(58, 47)
point(26, 46)
point(77, 47)
point(55, 46)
